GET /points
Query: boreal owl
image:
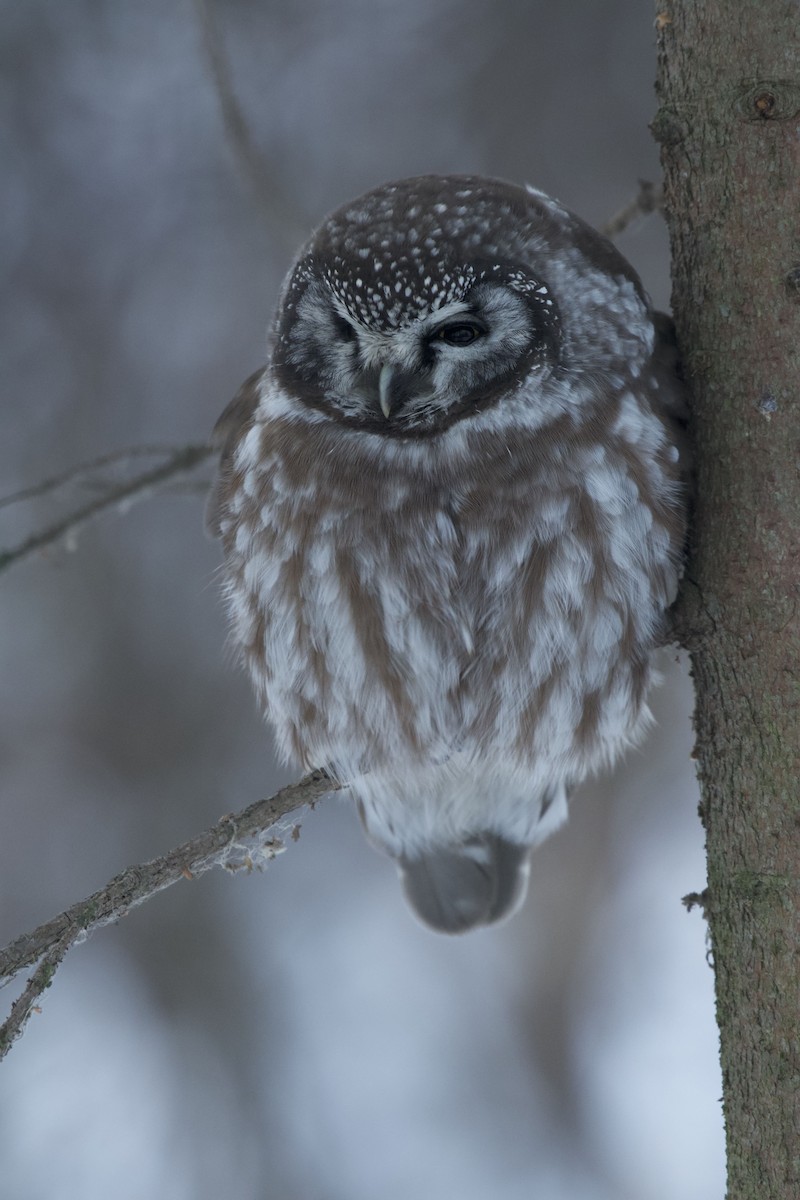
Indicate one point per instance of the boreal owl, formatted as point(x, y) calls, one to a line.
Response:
point(453, 515)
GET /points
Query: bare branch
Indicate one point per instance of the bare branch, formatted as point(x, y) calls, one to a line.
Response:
point(649, 199)
point(83, 473)
point(282, 213)
point(237, 841)
point(180, 461)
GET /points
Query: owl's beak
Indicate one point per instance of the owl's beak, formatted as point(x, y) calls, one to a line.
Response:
point(385, 389)
point(396, 386)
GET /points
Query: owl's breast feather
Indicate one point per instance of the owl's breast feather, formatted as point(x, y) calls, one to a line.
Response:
point(412, 615)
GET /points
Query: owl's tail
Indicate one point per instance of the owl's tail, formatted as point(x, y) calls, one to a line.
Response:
point(455, 888)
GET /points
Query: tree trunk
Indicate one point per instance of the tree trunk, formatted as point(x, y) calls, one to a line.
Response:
point(729, 128)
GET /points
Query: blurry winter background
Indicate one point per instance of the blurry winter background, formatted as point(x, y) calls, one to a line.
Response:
point(294, 1034)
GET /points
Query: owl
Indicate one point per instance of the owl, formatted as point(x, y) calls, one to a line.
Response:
point(453, 515)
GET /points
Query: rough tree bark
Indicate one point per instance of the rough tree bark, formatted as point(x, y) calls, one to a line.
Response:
point(729, 129)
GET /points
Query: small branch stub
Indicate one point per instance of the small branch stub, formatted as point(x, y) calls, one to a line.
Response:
point(764, 100)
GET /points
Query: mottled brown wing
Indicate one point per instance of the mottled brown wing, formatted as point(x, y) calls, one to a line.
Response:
point(225, 436)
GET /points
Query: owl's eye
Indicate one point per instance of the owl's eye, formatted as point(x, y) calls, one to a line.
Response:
point(459, 333)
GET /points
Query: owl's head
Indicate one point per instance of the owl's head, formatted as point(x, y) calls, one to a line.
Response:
point(416, 305)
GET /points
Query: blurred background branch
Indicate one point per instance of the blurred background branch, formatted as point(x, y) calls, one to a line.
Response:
point(648, 199)
point(282, 214)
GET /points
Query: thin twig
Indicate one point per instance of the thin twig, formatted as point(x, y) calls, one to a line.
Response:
point(38, 983)
point(236, 840)
point(83, 471)
point(182, 460)
point(649, 198)
point(188, 487)
point(282, 214)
